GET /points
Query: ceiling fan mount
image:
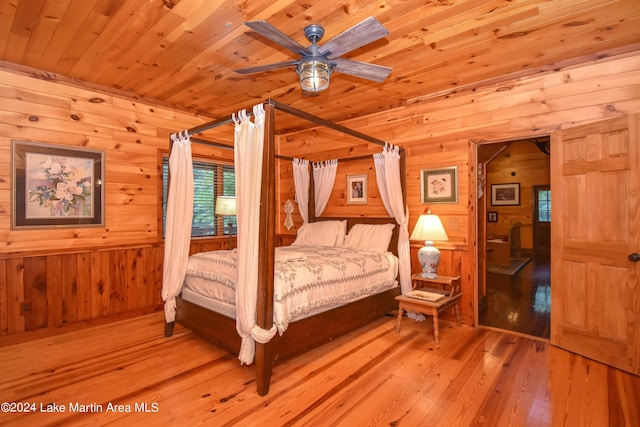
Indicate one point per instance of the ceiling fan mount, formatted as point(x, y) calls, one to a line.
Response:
point(316, 63)
point(313, 33)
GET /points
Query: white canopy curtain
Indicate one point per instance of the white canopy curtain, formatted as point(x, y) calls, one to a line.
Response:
point(390, 187)
point(324, 176)
point(248, 145)
point(178, 222)
point(301, 183)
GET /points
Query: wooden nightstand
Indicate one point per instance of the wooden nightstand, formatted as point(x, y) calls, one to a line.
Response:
point(431, 308)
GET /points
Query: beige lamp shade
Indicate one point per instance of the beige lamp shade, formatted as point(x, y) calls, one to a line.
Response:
point(225, 205)
point(429, 227)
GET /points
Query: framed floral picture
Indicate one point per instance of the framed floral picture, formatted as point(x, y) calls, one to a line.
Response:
point(439, 185)
point(56, 186)
point(357, 189)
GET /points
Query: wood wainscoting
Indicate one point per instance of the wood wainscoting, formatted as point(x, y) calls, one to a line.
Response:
point(52, 290)
point(44, 293)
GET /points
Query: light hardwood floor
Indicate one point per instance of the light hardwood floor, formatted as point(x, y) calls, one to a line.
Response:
point(373, 376)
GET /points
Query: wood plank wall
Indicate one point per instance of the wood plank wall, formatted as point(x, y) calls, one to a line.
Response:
point(444, 131)
point(74, 275)
point(435, 132)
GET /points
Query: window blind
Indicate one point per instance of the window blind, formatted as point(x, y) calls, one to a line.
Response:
point(210, 180)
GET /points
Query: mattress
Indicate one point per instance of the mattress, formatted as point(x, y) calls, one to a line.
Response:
point(307, 280)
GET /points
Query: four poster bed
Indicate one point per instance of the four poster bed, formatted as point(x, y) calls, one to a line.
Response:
point(211, 313)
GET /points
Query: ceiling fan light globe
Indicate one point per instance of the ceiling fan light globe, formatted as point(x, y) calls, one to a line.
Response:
point(314, 75)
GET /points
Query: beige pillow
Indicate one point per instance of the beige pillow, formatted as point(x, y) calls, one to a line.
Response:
point(321, 233)
point(369, 237)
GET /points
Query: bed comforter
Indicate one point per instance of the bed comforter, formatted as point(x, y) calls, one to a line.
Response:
point(308, 279)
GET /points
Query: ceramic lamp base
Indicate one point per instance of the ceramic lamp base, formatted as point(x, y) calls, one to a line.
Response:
point(429, 257)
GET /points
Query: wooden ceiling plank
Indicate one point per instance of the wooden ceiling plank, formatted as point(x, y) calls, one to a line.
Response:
point(199, 59)
point(65, 33)
point(7, 15)
point(115, 25)
point(16, 47)
point(148, 40)
point(532, 97)
point(95, 33)
point(124, 65)
point(90, 24)
point(52, 13)
point(493, 26)
point(259, 50)
point(463, 17)
point(24, 21)
point(464, 30)
point(173, 54)
point(27, 14)
point(546, 51)
point(266, 76)
point(175, 57)
point(260, 44)
point(529, 40)
point(450, 34)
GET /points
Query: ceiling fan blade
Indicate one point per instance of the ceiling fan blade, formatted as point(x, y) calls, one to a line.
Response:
point(268, 67)
point(359, 35)
point(365, 70)
point(272, 33)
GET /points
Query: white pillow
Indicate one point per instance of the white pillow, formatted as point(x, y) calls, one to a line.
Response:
point(369, 237)
point(321, 233)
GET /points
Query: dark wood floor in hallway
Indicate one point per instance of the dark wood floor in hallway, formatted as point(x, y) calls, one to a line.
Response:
point(520, 302)
point(127, 373)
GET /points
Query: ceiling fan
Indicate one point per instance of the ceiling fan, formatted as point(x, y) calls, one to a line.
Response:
point(316, 63)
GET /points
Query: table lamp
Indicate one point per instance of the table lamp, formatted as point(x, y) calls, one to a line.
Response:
point(428, 229)
point(226, 206)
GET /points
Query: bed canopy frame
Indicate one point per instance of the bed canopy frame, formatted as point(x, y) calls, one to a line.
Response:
point(308, 333)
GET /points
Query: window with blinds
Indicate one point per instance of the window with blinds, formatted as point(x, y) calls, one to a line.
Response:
point(210, 180)
point(544, 206)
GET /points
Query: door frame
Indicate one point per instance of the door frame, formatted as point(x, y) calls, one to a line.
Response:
point(479, 221)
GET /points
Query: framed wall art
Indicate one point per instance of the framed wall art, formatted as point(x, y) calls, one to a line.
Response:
point(56, 186)
point(357, 189)
point(439, 185)
point(492, 216)
point(505, 194)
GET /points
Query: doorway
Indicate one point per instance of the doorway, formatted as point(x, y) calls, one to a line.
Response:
point(514, 236)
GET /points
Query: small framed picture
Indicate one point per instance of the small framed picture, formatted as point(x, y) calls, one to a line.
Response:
point(357, 189)
point(56, 186)
point(492, 216)
point(505, 194)
point(439, 185)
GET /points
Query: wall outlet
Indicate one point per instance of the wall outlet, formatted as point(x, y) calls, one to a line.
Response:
point(25, 308)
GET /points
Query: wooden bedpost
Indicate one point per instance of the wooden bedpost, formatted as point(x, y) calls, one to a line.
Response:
point(311, 211)
point(264, 306)
point(403, 175)
point(168, 326)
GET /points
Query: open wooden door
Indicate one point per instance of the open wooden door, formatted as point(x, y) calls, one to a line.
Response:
point(595, 234)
